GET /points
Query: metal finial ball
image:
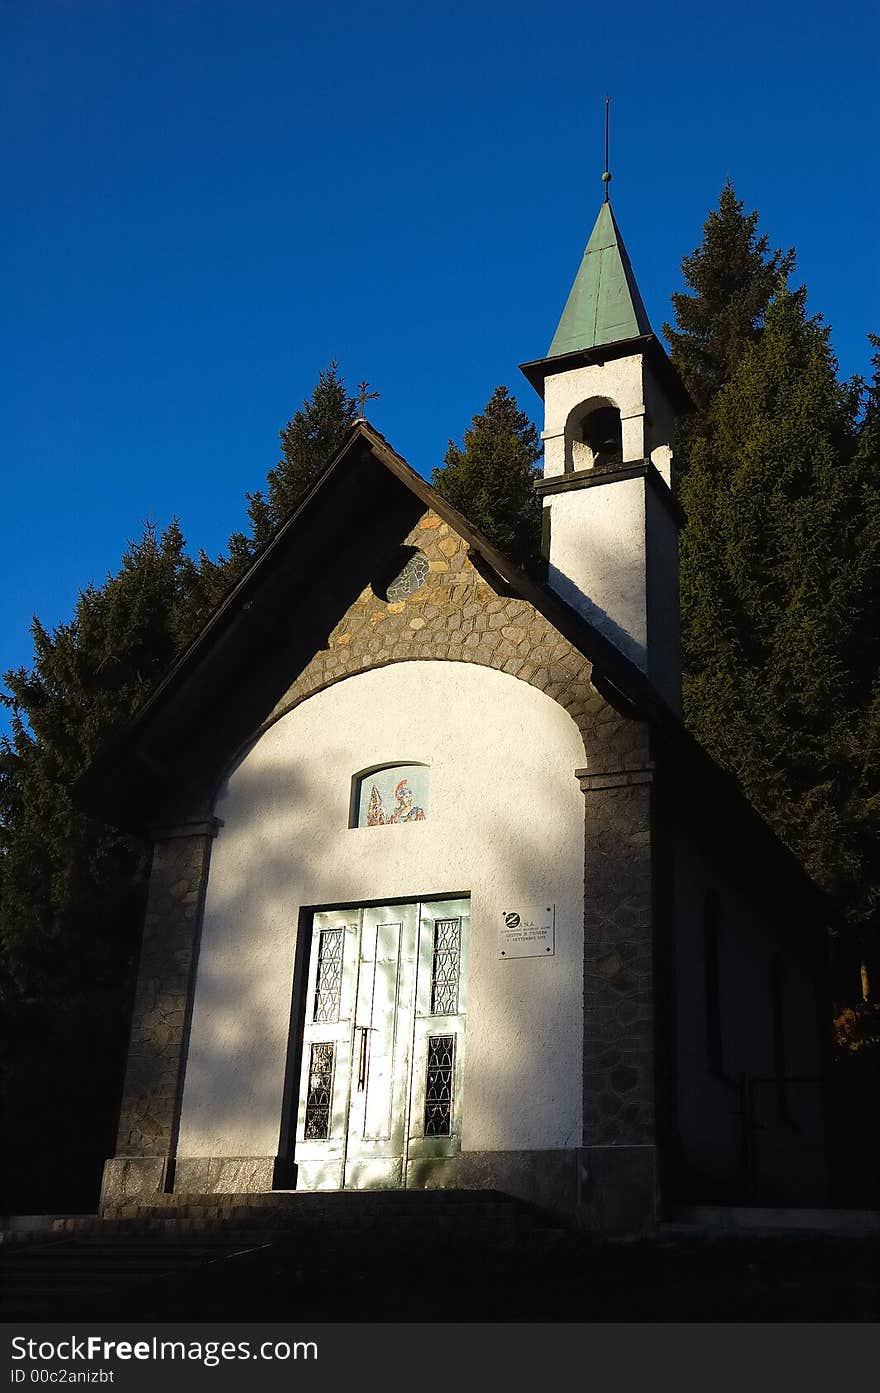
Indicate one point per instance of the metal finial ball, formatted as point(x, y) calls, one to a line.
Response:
point(606, 177)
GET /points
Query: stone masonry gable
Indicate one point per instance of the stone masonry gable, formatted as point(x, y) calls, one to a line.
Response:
point(457, 616)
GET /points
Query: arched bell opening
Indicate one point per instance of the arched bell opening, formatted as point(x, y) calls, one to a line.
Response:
point(593, 435)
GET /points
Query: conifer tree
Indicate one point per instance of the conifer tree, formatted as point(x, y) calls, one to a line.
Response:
point(733, 276)
point(71, 891)
point(863, 659)
point(779, 569)
point(780, 563)
point(308, 443)
point(491, 478)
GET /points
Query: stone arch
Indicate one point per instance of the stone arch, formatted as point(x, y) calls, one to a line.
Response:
point(457, 616)
point(593, 434)
point(567, 683)
point(572, 691)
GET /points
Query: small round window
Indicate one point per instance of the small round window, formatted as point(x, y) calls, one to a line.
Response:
point(410, 578)
point(406, 572)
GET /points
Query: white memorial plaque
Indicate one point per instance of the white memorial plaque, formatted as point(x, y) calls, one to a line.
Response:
point(527, 932)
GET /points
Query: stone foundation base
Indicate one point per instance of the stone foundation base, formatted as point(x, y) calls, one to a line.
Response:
point(618, 1189)
point(607, 1189)
point(223, 1175)
point(132, 1179)
point(545, 1178)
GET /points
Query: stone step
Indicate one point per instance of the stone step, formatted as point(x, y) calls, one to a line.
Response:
point(49, 1275)
point(122, 1259)
point(733, 1220)
point(239, 1229)
point(280, 1210)
point(281, 1198)
point(51, 1278)
point(325, 1210)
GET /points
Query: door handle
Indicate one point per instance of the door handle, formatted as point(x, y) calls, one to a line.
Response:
point(362, 1058)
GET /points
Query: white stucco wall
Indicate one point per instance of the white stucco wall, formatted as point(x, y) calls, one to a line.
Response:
point(619, 381)
point(505, 823)
point(614, 550)
point(646, 416)
point(662, 598)
point(597, 560)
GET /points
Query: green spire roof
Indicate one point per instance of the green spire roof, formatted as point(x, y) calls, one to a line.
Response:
point(604, 304)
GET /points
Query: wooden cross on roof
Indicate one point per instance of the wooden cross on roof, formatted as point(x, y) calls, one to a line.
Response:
point(364, 395)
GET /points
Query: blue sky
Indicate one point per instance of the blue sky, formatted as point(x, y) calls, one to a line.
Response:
point(207, 200)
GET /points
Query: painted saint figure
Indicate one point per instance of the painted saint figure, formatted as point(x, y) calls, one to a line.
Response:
point(405, 810)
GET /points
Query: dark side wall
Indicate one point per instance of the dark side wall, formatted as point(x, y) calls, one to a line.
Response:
point(752, 1022)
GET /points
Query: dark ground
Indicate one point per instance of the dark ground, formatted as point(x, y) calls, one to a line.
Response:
point(536, 1277)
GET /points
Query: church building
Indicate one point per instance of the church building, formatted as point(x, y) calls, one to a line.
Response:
point(443, 893)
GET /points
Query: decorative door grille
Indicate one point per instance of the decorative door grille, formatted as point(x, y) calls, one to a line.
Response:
point(445, 967)
point(328, 980)
point(438, 1085)
point(317, 1126)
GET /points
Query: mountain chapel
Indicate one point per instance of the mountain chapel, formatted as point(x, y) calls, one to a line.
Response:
point(443, 894)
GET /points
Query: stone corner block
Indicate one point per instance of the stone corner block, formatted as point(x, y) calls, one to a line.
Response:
point(129, 1179)
point(618, 1189)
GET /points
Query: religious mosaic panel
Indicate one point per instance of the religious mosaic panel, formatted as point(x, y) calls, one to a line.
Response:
point(397, 794)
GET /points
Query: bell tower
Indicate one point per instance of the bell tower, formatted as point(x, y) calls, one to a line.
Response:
point(611, 522)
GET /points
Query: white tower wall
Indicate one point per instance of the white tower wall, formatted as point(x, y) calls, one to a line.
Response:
point(613, 533)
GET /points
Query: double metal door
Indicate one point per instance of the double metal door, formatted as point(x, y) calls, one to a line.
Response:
point(383, 1043)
